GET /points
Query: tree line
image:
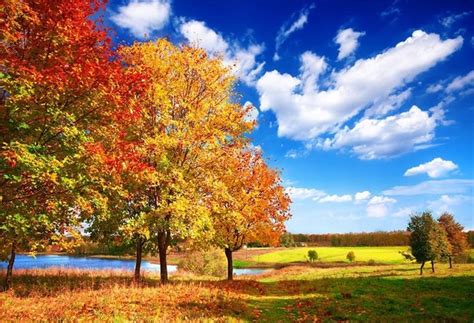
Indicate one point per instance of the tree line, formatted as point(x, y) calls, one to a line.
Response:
point(144, 143)
point(368, 239)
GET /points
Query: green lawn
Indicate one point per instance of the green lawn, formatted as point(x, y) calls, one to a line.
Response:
point(386, 255)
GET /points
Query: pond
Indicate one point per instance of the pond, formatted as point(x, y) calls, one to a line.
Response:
point(61, 261)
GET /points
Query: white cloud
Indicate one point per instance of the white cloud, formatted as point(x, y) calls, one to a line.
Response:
point(381, 200)
point(300, 193)
point(287, 29)
point(385, 138)
point(461, 82)
point(198, 34)
point(448, 21)
point(434, 187)
point(304, 112)
point(446, 203)
point(436, 168)
point(242, 61)
point(293, 154)
point(433, 88)
point(362, 196)
point(335, 198)
point(142, 18)
point(377, 206)
point(348, 41)
point(252, 114)
point(312, 66)
point(387, 105)
point(403, 212)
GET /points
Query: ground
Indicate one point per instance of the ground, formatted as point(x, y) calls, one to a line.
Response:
point(390, 292)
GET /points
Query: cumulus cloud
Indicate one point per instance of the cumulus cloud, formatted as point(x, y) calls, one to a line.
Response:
point(335, 198)
point(362, 196)
point(243, 61)
point(385, 138)
point(197, 33)
point(383, 107)
point(301, 193)
point(288, 28)
point(436, 168)
point(305, 111)
point(378, 206)
point(142, 18)
point(348, 41)
point(434, 187)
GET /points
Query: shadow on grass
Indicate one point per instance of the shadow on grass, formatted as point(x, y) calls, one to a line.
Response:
point(376, 297)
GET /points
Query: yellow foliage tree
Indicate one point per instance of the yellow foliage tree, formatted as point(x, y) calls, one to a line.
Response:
point(186, 117)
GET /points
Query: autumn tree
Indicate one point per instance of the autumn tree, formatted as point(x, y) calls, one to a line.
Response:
point(185, 118)
point(56, 84)
point(251, 204)
point(428, 240)
point(456, 237)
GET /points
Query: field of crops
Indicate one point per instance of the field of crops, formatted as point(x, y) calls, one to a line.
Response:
point(385, 255)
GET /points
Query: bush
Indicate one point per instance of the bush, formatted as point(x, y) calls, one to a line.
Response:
point(205, 262)
point(351, 256)
point(371, 262)
point(312, 255)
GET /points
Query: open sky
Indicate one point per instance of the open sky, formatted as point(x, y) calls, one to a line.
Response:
point(366, 107)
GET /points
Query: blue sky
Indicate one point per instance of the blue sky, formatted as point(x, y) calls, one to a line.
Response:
point(367, 108)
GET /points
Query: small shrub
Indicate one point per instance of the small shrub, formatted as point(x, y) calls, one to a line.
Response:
point(351, 256)
point(371, 262)
point(205, 262)
point(312, 255)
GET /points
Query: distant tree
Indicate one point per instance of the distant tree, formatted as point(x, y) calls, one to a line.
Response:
point(428, 240)
point(351, 256)
point(286, 240)
point(470, 238)
point(312, 255)
point(456, 237)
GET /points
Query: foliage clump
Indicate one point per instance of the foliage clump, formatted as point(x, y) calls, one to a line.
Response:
point(210, 262)
point(312, 255)
point(351, 256)
point(428, 240)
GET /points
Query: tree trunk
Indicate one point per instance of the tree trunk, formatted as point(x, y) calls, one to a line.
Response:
point(432, 266)
point(163, 242)
point(138, 259)
point(230, 264)
point(11, 261)
point(421, 268)
point(450, 262)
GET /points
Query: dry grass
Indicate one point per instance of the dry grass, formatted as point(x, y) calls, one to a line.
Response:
point(296, 293)
point(58, 294)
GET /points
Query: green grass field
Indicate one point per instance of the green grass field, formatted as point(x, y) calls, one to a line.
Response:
point(292, 294)
point(385, 255)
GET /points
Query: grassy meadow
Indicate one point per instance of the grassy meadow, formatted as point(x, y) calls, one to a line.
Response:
point(385, 255)
point(296, 293)
point(300, 292)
